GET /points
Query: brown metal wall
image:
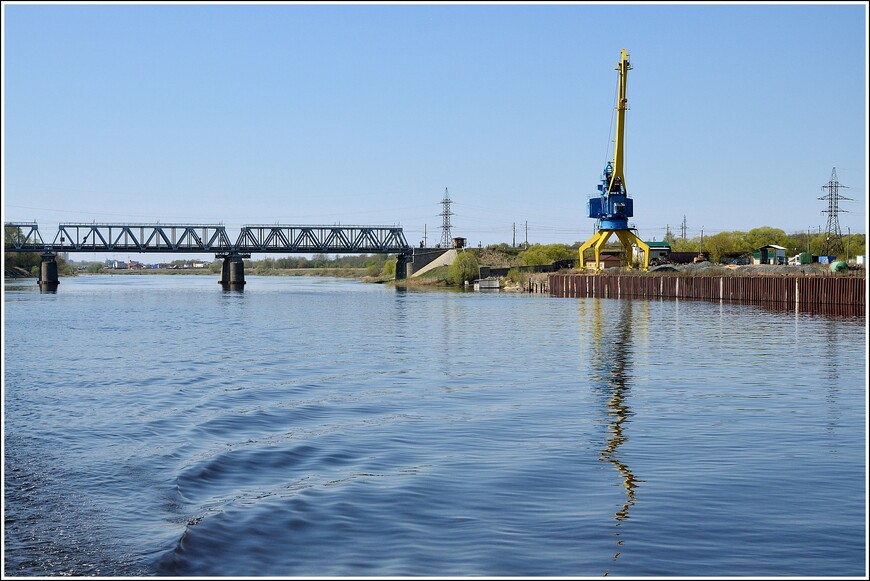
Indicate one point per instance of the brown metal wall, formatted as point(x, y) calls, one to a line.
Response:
point(810, 290)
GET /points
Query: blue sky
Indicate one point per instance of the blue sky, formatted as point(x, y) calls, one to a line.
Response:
point(364, 114)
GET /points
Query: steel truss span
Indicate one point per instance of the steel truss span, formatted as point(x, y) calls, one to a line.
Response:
point(335, 239)
point(210, 238)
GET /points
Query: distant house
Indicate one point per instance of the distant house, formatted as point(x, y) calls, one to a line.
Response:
point(608, 259)
point(770, 254)
point(657, 251)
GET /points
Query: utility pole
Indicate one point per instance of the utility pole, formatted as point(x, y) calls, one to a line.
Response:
point(683, 229)
point(514, 241)
point(527, 234)
point(701, 243)
point(848, 242)
point(833, 235)
point(425, 237)
point(445, 221)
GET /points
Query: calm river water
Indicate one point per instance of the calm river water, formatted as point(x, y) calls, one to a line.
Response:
point(157, 425)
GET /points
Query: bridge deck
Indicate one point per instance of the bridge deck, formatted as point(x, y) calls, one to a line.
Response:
point(210, 238)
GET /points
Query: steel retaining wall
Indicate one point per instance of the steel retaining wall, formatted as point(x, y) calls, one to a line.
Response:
point(805, 291)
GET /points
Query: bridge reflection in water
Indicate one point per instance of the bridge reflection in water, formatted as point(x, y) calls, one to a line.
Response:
point(609, 370)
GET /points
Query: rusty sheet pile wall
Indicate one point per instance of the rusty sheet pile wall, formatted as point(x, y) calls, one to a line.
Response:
point(806, 291)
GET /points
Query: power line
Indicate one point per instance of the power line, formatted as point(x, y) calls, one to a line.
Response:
point(833, 234)
point(446, 238)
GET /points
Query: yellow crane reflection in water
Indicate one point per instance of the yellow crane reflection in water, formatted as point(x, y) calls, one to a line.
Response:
point(610, 364)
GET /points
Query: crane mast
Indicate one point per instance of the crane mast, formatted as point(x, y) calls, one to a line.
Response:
point(612, 207)
point(617, 180)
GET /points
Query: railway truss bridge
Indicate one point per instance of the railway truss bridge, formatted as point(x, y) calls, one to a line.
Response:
point(205, 238)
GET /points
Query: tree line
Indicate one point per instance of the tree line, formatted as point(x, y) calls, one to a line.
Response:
point(373, 264)
point(729, 243)
point(718, 247)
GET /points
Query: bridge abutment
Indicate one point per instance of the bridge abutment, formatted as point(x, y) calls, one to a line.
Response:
point(48, 277)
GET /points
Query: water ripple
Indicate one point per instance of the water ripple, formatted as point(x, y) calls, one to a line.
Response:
point(330, 428)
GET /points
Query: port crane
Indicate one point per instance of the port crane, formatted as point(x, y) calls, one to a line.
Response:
point(612, 207)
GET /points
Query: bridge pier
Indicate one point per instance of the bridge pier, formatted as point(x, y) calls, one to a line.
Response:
point(233, 270)
point(48, 279)
point(402, 266)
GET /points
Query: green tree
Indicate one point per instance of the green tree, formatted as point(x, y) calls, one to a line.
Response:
point(517, 277)
point(685, 245)
point(389, 269)
point(758, 237)
point(546, 254)
point(464, 267)
point(24, 260)
point(504, 248)
point(855, 244)
point(264, 266)
point(724, 243)
point(64, 268)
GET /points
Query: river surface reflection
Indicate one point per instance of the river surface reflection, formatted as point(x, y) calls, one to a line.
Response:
point(610, 370)
point(320, 427)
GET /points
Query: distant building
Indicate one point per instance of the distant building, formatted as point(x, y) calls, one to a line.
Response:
point(657, 251)
point(770, 254)
point(608, 259)
point(459, 242)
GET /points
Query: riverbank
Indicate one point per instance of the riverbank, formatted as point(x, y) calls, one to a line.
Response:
point(16, 272)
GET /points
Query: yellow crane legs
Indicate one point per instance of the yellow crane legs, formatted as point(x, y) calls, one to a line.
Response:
point(627, 237)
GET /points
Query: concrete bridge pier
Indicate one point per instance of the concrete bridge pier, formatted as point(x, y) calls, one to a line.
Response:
point(402, 266)
point(48, 279)
point(233, 271)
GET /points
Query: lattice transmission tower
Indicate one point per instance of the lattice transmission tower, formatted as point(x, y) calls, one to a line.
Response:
point(446, 238)
point(833, 235)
